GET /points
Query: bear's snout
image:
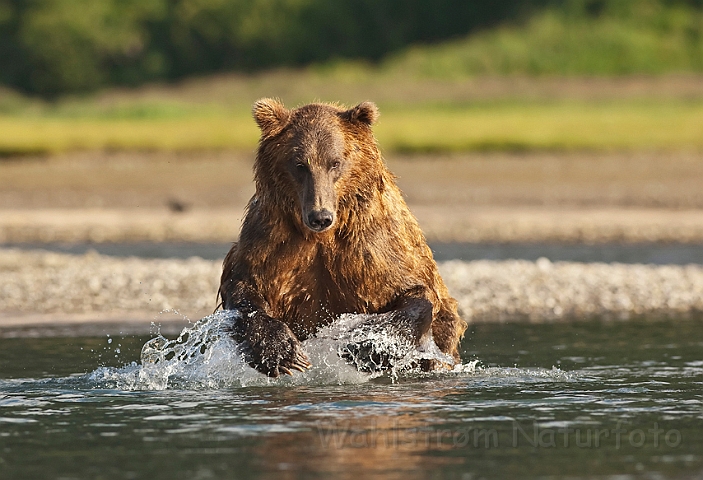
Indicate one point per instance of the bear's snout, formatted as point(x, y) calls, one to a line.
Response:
point(319, 220)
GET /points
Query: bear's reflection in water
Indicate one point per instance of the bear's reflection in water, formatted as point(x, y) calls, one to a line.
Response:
point(364, 436)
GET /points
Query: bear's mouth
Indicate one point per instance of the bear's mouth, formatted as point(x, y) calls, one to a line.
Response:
point(318, 220)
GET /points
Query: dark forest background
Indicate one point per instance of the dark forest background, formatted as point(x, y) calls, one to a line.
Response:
point(50, 47)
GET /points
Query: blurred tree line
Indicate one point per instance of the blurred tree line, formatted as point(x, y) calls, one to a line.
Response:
point(49, 47)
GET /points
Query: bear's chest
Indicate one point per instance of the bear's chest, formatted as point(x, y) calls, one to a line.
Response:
point(313, 285)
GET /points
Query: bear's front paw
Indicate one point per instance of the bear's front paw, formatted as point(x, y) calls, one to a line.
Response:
point(365, 356)
point(280, 355)
point(377, 344)
point(271, 347)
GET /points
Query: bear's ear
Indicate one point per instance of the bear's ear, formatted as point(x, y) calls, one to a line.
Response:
point(270, 115)
point(365, 112)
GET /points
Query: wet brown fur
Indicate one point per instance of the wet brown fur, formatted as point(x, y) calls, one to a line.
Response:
point(372, 258)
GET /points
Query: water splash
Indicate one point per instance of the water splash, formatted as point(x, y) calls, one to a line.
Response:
point(349, 351)
point(203, 356)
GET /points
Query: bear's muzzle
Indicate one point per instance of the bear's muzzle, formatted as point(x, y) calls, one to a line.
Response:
point(319, 220)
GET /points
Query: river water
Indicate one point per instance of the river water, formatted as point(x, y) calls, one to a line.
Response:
point(590, 399)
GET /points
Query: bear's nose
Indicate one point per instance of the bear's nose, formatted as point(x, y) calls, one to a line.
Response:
point(319, 220)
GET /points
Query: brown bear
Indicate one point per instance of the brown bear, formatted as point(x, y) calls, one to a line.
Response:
point(326, 233)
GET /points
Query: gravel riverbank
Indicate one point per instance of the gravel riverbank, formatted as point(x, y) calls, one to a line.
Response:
point(441, 223)
point(56, 287)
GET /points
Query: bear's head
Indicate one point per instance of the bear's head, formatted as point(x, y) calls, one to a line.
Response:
point(315, 159)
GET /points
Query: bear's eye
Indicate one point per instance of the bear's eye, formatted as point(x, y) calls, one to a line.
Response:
point(300, 166)
point(335, 165)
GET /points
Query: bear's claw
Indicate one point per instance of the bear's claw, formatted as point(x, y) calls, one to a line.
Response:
point(274, 365)
point(299, 362)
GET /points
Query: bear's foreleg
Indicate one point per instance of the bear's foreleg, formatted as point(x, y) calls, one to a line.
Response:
point(408, 319)
point(269, 346)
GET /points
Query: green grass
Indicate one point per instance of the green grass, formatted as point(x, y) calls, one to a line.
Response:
point(560, 126)
point(647, 38)
point(566, 125)
point(133, 124)
point(22, 136)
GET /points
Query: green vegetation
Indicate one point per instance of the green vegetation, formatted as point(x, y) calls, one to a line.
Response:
point(50, 135)
point(644, 37)
point(560, 126)
point(509, 78)
point(51, 47)
point(497, 125)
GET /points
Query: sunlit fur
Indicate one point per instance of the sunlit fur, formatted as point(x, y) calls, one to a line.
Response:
point(372, 254)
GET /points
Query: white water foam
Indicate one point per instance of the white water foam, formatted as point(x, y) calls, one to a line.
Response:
point(206, 356)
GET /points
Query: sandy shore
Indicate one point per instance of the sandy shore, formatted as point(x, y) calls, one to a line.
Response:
point(51, 292)
point(47, 292)
point(442, 223)
point(478, 197)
